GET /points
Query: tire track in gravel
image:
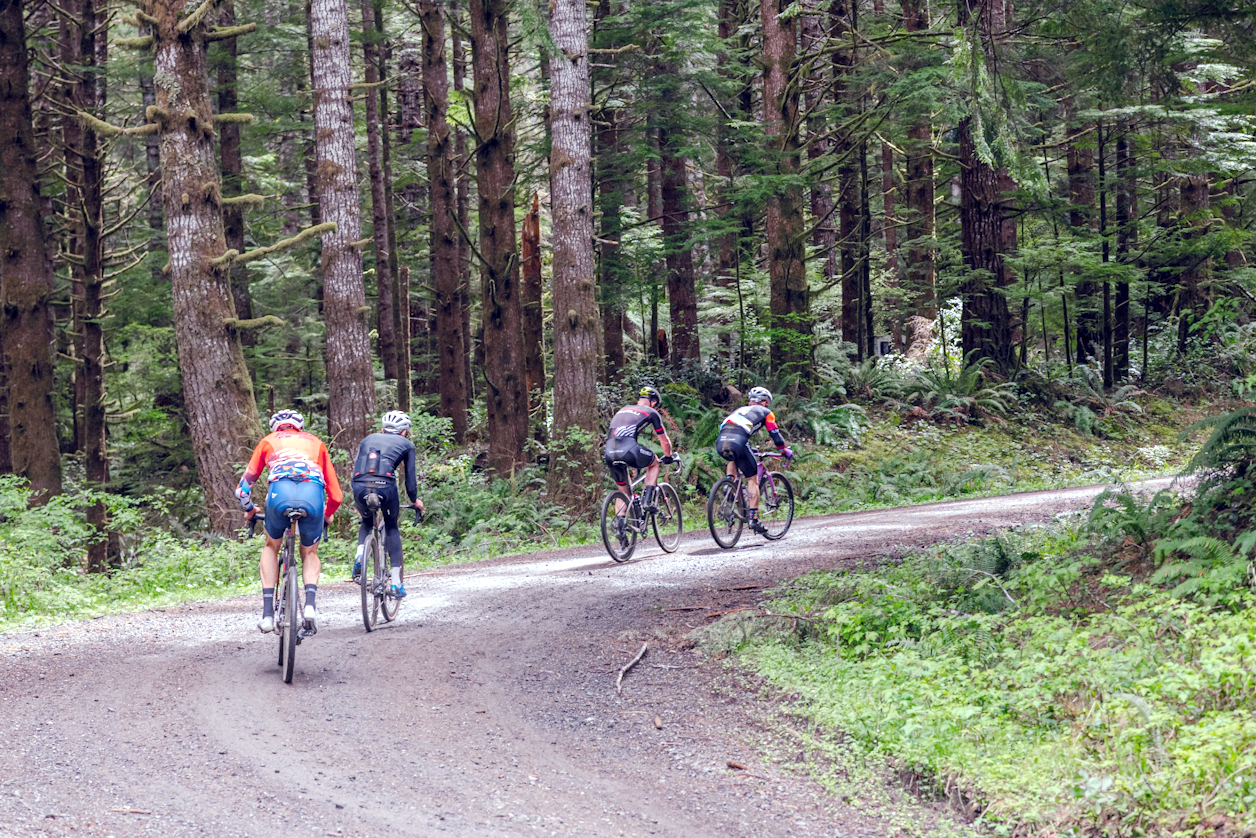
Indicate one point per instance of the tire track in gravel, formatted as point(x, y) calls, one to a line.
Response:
point(487, 709)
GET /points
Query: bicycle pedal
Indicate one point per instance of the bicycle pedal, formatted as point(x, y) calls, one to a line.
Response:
point(307, 630)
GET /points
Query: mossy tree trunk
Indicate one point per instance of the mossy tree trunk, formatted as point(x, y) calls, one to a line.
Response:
point(217, 390)
point(26, 285)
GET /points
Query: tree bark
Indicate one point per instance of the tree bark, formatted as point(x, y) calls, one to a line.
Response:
point(1192, 299)
point(232, 167)
point(1126, 241)
point(783, 222)
point(682, 294)
point(533, 316)
point(574, 452)
point(987, 233)
point(1082, 219)
point(350, 379)
point(462, 163)
point(217, 390)
point(506, 399)
point(26, 283)
point(446, 281)
point(386, 295)
point(85, 212)
point(920, 270)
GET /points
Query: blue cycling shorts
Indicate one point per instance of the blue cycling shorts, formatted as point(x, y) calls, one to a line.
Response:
point(296, 494)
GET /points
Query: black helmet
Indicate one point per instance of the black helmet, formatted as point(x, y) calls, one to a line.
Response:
point(648, 392)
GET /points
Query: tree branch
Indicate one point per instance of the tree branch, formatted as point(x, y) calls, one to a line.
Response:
point(234, 256)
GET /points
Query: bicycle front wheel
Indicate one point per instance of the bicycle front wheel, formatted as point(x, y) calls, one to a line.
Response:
point(726, 511)
point(668, 520)
point(619, 538)
point(368, 579)
point(776, 505)
point(288, 637)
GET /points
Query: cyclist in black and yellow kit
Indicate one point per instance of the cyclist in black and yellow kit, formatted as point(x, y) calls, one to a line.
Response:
point(734, 444)
point(622, 446)
point(380, 457)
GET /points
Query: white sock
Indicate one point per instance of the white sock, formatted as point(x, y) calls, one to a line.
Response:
point(357, 557)
point(396, 576)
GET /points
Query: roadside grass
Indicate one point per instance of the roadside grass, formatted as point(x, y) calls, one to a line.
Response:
point(1041, 693)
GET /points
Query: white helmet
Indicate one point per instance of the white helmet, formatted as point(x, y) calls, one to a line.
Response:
point(759, 394)
point(396, 422)
point(287, 417)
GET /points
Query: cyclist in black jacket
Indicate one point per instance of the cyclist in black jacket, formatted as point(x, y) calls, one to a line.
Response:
point(380, 456)
point(622, 446)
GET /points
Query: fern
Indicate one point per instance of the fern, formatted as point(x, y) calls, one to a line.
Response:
point(1211, 570)
point(1231, 447)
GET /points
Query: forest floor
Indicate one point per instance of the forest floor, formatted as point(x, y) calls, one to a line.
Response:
point(489, 708)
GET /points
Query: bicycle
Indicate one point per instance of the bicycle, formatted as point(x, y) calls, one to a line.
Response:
point(375, 579)
point(620, 533)
point(288, 595)
point(726, 504)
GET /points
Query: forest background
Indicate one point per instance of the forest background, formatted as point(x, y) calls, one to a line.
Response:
point(971, 246)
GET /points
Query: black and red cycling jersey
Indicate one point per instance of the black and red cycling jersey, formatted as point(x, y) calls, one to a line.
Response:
point(628, 422)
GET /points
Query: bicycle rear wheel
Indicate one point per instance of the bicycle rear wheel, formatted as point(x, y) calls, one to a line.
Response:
point(288, 637)
point(388, 604)
point(620, 550)
point(668, 520)
point(726, 511)
point(776, 505)
point(368, 579)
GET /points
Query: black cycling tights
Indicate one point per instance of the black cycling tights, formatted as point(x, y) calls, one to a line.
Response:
point(390, 505)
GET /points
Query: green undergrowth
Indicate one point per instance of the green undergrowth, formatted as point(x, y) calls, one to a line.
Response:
point(899, 463)
point(1025, 679)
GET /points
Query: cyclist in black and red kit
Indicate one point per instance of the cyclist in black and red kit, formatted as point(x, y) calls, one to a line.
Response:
point(622, 445)
point(734, 444)
point(380, 456)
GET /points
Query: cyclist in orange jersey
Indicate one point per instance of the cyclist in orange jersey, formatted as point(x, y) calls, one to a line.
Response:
point(301, 477)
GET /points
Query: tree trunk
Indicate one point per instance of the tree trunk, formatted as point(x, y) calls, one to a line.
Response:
point(1126, 241)
point(533, 316)
point(611, 186)
point(85, 212)
point(682, 294)
point(506, 398)
point(920, 271)
point(446, 282)
point(386, 295)
point(350, 379)
point(232, 168)
point(462, 162)
point(26, 282)
point(217, 390)
point(987, 232)
point(783, 222)
point(819, 147)
point(1192, 300)
point(1081, 188)
point(574, 452)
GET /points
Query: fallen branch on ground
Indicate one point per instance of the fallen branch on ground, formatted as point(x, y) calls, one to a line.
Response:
point(619, 682)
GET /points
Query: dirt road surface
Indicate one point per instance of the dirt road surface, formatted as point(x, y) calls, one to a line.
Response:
point(488, 708)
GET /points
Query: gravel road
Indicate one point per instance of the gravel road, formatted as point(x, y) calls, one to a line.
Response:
point(488, 708)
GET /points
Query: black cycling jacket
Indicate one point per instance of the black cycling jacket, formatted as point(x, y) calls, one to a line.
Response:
point(380, 454)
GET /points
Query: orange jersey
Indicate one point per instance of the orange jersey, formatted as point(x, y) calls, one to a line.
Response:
point(292, 455)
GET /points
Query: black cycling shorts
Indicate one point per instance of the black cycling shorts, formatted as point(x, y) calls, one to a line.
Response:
point(634, 454)
point(736, 449)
